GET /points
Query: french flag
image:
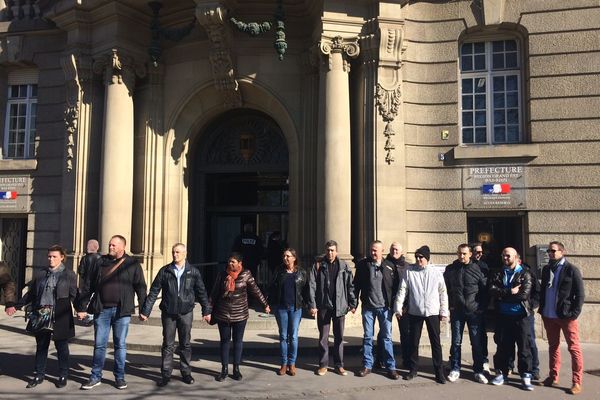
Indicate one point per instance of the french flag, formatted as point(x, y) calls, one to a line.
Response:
point(495, 188)
point(8, 195)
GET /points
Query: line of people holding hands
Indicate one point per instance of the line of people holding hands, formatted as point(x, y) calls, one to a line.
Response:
point(387, 289)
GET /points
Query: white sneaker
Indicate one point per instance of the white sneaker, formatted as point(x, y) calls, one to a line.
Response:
point(481, 378)
point(498, 380)
point(453, 375)
point(526, 385)
point(486, 368)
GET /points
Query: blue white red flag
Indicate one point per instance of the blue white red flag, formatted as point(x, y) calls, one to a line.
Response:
point(8, 195)
point(495, 188)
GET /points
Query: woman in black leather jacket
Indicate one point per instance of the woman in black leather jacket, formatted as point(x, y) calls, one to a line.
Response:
point(285, 295)
point(53, 287)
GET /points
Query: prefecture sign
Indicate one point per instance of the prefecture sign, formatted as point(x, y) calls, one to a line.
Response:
point(14, 194)
point(494, 187)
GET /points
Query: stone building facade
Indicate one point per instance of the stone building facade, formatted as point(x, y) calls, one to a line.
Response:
point(425, 122)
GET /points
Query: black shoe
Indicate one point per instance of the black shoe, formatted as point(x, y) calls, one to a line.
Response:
point(393, 374)
point(164, 381)
point(62, 382)
point(441, 379)
point(188, 379)
point(91, 383)
point(237, 375)
point(363, 372)
point(410, 376)
point(221, 377)
point(35, 381)
point(121, 384)
point(535, 376)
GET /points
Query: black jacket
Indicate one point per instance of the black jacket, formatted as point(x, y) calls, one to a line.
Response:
point(64, 295)
point(570, 296)
point(86, 264)
point(275, 289)
point(501, 294)
point(466, 287)
point(319, 284)
point(177, 301)
point(131, 278)
point(362, 281)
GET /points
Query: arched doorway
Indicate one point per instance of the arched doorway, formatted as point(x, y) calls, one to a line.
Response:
point(238, 175)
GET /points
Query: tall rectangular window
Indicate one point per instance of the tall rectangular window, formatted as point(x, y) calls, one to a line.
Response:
point(490, 82)
point(19, 129)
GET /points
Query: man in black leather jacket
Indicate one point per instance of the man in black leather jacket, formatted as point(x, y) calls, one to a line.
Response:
point(182, 286)
point(511, 288)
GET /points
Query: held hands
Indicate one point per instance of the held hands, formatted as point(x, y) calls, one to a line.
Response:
point(443, 318)
point(10, 311)
point(353, 310)
point(143, 317)
point(313, 312)
point(268, 310)
point(207, 318)
point(81, 315)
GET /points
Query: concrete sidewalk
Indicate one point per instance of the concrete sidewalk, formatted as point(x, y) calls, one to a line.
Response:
point(259, 366)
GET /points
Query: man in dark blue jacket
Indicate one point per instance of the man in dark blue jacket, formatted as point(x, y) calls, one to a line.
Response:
point(182, 286)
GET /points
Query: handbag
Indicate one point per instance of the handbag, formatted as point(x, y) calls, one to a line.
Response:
point(40, 320)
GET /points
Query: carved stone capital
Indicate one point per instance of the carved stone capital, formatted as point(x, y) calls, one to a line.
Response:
point(212, 16)
point(347, 48)
point(119, 69)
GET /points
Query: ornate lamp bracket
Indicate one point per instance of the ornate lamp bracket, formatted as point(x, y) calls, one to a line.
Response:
point(159, 33)
point(258, 28)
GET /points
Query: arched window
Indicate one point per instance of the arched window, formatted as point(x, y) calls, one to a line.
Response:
point(491, 92)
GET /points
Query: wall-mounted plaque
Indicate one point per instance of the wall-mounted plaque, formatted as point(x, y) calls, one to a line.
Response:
point(494, 187)
point(14, 194)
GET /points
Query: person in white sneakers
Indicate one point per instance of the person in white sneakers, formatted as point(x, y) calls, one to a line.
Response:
point(511, 288)
point(466, 287)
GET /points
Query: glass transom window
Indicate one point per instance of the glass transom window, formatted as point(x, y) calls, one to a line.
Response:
point(490, 82)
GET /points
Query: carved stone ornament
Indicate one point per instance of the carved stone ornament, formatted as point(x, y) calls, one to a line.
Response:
point(71, 114)
point(388, 102)
point(348, 47)
point(119, 69)
point(212, 17)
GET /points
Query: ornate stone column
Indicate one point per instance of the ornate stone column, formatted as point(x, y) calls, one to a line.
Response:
point(116, 181)
point(336, 141)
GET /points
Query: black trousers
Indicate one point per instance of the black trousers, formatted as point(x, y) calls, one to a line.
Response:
point(182, 324)
point(42, 340)
point(433, 330)
point(511, 330)
point(324, 320)
point(226, 332)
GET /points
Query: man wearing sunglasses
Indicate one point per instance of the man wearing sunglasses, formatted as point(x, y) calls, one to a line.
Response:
point(561, 300)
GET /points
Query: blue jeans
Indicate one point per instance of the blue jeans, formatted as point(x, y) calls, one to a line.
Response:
point(103, 322)
point(288, 321)
point(384, 318)
point(475, 327)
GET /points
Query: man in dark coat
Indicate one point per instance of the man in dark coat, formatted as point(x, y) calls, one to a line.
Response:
point(181, 286)
point(561, 300)
point(109, 294)
point(9, 288)
point(466, 287)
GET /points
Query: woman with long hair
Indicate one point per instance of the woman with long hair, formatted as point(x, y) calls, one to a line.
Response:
point(53, 289)
point(229, 300)
point(285, 295)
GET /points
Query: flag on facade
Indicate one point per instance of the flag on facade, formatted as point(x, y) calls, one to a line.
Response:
point(495, 188)
point(8, 195)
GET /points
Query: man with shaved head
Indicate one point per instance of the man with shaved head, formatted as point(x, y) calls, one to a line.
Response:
point(511, 288)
